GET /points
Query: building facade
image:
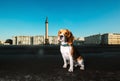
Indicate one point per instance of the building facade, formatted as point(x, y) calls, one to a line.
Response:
point(93, 39)
point(79, 41)
point(21, 40)
point(37, 40)
point(108, 38)
point(53, 40)
point(33, 40)
point(111, 38)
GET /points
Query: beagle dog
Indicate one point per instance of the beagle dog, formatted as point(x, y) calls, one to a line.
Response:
point(68, 52)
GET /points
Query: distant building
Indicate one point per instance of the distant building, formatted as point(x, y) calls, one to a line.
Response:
point(7, 42)
point(79, 41)
point(36, 40)
point(53, 40)
point(1, 42)
point(33, 40)
point(108, 38)
point(93, 39)
point(22, 40)
point(111, 38)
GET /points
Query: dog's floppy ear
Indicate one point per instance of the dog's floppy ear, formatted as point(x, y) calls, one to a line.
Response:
point(59, 33)
point(70, 38)
point(69, 34)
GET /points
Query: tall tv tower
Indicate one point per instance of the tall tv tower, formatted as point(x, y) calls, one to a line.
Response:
point(46, 31)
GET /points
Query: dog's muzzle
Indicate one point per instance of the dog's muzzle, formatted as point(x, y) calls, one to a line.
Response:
point(61, 37)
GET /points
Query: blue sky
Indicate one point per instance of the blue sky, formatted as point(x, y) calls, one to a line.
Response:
point(82, 17)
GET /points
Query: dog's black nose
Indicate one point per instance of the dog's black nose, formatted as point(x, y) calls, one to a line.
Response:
point(61, 36)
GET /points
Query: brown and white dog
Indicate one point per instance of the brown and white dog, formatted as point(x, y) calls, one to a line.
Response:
point(67, 50)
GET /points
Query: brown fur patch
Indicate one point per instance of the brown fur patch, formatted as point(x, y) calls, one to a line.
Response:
point(72, 51)
point(79, 58)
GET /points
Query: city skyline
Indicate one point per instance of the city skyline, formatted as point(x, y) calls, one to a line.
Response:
point(82, 17)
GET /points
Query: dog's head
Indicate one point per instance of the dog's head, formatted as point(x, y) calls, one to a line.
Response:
point(64, 35)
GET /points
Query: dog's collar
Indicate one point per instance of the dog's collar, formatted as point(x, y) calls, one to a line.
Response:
point(65, 45)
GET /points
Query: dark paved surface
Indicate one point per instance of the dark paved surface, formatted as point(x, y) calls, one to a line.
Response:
point(46, 65)
point(49, 68)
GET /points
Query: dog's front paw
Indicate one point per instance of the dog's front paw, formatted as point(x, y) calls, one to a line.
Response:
point(76, 65)
point(70, 69)
point(82, 68)
point(65, 66)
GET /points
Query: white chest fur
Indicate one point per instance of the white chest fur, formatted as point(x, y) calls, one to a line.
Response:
point(66, 51)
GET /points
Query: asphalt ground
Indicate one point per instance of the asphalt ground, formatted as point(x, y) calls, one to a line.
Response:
point(46, 65)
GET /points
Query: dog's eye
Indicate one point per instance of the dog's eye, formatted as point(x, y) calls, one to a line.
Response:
point(66, 33)
point(59, 32)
